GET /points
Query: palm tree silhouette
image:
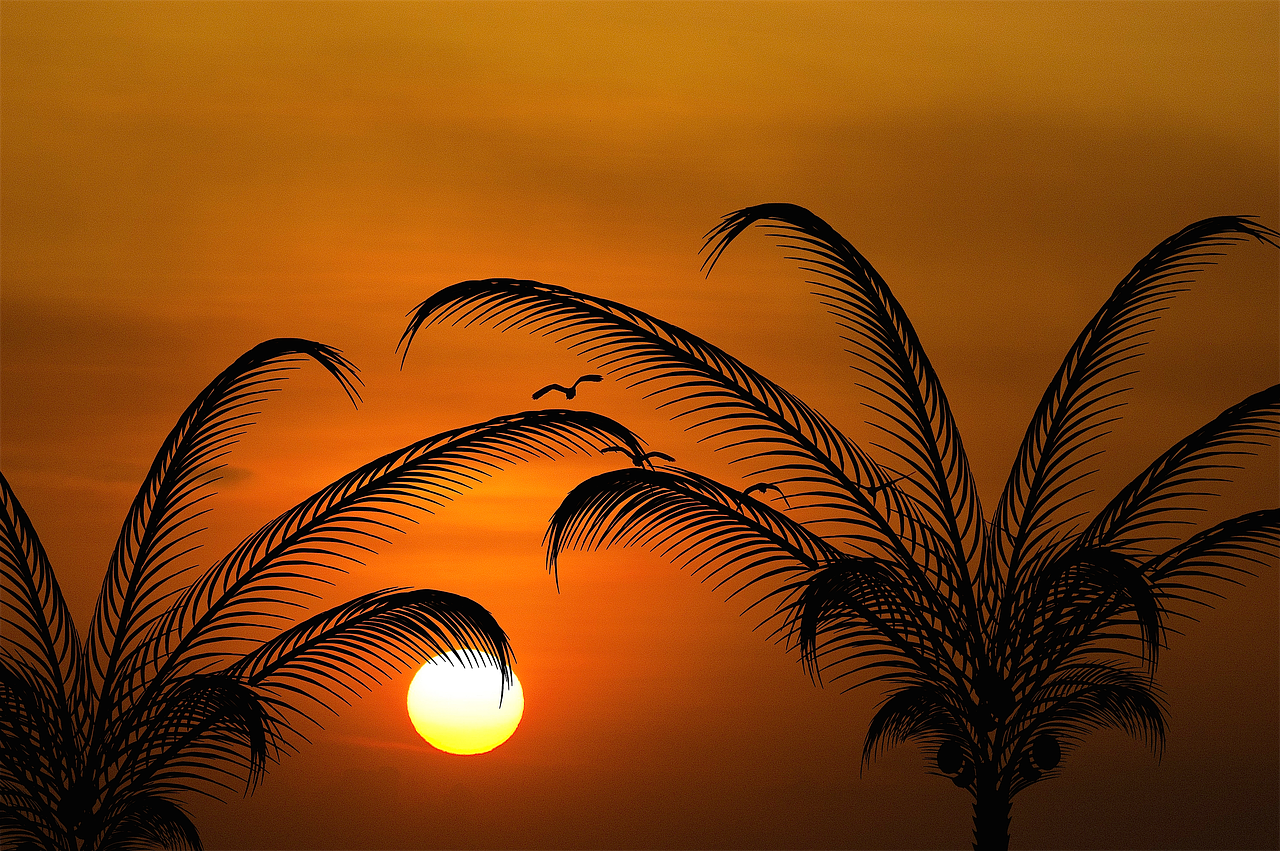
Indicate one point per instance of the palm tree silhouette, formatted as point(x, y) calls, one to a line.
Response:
point(192, 680)
point(999, 642)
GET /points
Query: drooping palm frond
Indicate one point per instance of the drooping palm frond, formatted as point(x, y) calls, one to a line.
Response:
point(922, 712)
point(146, 566)
point(858, 616)
point(347, 649)
point(203, 730)
point(1087, 695)
point(22, 833)
point(153, 821)
point(1082, 399)
point(721, 534)
point(628, 505)
point(219, 729)
point(1092, 602)
point(918, 422)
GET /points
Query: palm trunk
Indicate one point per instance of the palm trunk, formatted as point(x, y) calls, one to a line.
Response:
point(990, 812)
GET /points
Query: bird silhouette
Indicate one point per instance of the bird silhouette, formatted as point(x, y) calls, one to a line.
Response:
point(570, 391)
point(761, 487)
point(640, 460)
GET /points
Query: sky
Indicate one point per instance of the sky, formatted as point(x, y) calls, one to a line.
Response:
point(179, 181)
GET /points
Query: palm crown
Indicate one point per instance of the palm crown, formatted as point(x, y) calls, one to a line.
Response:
point(1000, 641)
point(196, 679)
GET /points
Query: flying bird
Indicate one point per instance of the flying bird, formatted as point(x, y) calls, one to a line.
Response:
point(761, 487)
point(570, 391)
point(640, 460)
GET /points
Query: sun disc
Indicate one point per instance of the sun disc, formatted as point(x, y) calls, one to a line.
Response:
point(454, 703)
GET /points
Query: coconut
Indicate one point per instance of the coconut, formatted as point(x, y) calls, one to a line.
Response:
point(1046, 752)
point(950, 757)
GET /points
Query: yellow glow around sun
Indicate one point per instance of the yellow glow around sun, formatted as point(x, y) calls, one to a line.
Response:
point(454, 705)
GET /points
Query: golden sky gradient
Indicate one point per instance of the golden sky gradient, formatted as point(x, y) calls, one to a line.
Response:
point(183, 180)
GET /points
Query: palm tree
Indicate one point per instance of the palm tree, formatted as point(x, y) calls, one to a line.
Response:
point(195, 680)
point(999, 641)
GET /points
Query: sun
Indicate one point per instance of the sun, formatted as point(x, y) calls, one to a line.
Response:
point(454, 703)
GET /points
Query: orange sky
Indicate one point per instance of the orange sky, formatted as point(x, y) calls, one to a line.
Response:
point(181, 181)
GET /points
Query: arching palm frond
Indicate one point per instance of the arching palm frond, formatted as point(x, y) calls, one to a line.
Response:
point(347, 649)
point(146, 566)
point(1184, 574)
point(265, 575)
point(219, 729)
point(39, 633)
point(917, 417)
point(1081, 697)
point(734, 406)
point(1093, 603)
point(203, 730)
point(1088, 695)
point(614, 506)
point(25, 829)
point(722, 535)
point(152, 821)
point(1184, 472)
point(919, 712)
point(1083, 397)
point(857, 615)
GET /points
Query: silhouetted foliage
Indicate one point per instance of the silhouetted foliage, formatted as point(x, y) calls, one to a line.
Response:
point(999, 642)
point(196, 680)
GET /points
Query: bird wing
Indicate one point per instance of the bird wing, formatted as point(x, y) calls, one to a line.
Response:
point(545, 390)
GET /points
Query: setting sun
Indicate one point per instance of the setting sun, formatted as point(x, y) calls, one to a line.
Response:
point(454, 703)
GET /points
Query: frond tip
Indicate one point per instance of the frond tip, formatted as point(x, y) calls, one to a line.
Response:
point(346, 649)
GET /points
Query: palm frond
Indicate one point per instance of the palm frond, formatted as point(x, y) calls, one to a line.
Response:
point(147, 564)
point(1082, 399)
point(207, 726)
point(1186, 471)
point(919, 712)
point(1185, 573)
point(151, 821)
point(348, 648)
point(36, 759)
point(203, 727)
point(1089, 601)
point(864, 614)
point(39, 634)
point(917, 420)
point(1086, 696)
point(24, 830)
point(735, 407)
point(627, 505)
point(721, 534)
point(262, 580)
